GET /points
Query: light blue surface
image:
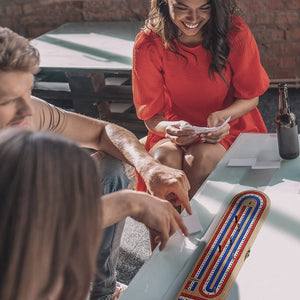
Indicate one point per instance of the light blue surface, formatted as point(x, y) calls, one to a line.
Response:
point(101, 46)
point(164, 273)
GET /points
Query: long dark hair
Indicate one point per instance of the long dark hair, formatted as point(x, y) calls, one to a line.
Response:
point(49, 217)
point(215, 31)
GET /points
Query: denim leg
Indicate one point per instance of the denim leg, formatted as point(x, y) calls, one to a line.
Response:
point(114, 179)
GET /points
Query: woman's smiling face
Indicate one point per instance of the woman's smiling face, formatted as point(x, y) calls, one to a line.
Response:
point(189, 16)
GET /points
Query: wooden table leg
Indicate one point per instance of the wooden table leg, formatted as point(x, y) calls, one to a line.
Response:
point(84, 88)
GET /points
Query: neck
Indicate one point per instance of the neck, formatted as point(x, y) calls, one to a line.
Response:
point(191, 41)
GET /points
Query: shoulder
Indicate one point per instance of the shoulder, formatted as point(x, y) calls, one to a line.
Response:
point(147, 39)
point(37, 102)
point(46, 116)
point(38, 110)
point(238, 22)
point(40, 107)
point(240, 32)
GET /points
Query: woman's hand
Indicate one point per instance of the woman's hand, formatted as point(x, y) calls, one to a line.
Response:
point(157, 214)
point(216, 119)
point(180, 133)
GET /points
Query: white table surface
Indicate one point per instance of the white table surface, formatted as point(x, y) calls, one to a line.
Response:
point(88, 46)
point(271, 271)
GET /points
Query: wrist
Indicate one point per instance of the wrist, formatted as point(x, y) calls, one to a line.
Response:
point(134, 204)
point(147, 167)
point(158, 128)
point(113, 208)
point(124, 200)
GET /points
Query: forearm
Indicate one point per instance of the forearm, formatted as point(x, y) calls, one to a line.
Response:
point(160, 180)
point(123, 144)
point(91, 133)
point(115, 207)
point(240, 107)
point(158, 124)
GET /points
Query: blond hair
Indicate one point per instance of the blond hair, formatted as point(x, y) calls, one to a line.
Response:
point(49, 216)
point(16, 53)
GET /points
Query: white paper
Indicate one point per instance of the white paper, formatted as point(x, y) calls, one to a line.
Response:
point(192, 223)
point(284, 187)
point(199, 130)
point(241, 162)
point(267, 164)
point(253, 163)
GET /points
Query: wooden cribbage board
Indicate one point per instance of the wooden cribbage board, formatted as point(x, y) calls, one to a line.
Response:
point(220, 261)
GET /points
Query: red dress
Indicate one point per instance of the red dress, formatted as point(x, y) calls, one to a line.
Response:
point(181, 88)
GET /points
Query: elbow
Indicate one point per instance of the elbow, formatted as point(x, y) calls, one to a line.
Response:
point(148, 124)
point(255, 102)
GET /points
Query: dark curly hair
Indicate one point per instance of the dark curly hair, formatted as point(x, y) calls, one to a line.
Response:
point(215, 31)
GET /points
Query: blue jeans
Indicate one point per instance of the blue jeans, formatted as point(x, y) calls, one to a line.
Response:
point(113, 179)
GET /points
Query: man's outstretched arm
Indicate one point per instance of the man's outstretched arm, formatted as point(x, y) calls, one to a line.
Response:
point(116, 141)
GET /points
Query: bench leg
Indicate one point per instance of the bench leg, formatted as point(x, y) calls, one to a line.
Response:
point(84, 87)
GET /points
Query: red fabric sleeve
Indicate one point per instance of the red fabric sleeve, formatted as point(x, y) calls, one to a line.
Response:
point(249, 78)
point(147, 79)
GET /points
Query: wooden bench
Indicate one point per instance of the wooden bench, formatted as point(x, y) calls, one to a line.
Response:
point(111, 102)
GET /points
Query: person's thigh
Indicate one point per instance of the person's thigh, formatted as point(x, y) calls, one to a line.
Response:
point(113, 178)
point(113, 174)
point(199, 160)
point(168, 154)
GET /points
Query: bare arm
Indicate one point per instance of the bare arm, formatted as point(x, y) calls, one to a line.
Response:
point(158, 124)
point(116, 141)
point(172, 130)
point(237, 109)
point(156, 214)
point(87, 132)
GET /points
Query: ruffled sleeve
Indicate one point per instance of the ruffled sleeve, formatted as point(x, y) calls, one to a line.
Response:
point(147, 79)
point(249, 79)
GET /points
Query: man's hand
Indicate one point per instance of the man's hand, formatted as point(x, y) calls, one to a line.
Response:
point(167, 183)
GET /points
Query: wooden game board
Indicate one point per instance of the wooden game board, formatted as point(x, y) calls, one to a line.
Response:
point(223, 256)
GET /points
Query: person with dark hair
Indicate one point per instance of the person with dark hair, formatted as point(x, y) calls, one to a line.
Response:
point(52, 216)
point(19, 61)
point(196, 63)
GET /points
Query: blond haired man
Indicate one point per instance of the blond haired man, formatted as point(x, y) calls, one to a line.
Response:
point(19, 61)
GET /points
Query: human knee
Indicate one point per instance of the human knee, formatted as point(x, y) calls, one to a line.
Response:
point(196, 159)
point(202, 160)
point(171, 158)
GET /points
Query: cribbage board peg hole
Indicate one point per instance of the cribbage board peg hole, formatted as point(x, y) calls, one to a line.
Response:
point(247, 254)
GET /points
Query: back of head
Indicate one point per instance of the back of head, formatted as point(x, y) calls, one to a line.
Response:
point(16, 53)
point(49, 219)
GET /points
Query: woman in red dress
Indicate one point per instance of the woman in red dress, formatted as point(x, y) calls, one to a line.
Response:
point(196, 63)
